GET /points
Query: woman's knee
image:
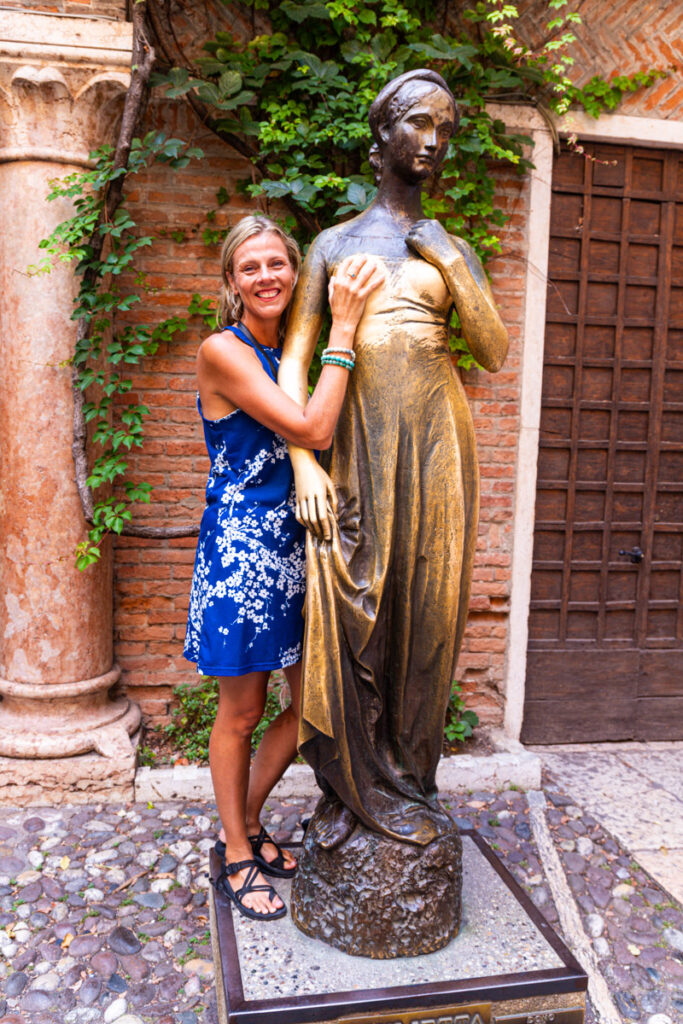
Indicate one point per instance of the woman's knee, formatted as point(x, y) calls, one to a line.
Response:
point(242, 721)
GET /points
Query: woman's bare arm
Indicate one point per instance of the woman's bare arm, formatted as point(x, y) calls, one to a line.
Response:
point(231, 372)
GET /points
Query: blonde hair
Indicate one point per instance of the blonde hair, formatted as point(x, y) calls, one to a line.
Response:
point(230, 306)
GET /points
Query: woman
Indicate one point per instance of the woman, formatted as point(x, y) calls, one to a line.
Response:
point(248, 584)
point(390, 594)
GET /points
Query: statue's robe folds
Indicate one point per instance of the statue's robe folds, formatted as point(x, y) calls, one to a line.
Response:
point(387, 598)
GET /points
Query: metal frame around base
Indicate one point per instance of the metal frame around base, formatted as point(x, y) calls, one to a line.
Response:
point(335, 1005)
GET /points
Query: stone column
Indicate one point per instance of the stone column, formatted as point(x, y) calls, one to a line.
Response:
point(62, 735)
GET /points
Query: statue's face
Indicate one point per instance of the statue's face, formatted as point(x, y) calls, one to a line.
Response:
point(416, 143)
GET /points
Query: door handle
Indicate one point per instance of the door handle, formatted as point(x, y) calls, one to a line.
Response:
point(635, 554)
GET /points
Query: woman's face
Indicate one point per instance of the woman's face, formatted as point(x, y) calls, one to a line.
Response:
point(263, 277)
point(416, 143)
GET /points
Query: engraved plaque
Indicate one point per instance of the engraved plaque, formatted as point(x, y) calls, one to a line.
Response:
point(572, 1015)
point(475, 1013)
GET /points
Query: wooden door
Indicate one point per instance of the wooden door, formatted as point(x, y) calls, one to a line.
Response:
point(605, 649)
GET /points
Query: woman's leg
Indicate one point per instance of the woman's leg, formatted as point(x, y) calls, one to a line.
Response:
point(241, 700)
point(276, 752)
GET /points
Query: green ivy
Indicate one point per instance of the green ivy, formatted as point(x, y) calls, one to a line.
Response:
point(106, 347)
point(302, 94)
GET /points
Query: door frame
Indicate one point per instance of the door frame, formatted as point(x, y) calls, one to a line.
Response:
point(617, 129)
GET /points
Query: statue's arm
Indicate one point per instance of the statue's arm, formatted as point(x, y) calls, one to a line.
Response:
point(313, 486)
point(470, 290)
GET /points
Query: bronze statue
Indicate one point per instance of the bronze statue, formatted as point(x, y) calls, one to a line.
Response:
point(392, 528)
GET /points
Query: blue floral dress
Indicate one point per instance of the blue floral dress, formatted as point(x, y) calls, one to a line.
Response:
point(249, 575)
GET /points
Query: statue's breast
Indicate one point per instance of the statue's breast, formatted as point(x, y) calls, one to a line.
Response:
point(413, 291)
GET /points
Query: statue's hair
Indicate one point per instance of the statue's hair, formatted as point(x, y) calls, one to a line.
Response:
point(388, 106)
point(230, 306)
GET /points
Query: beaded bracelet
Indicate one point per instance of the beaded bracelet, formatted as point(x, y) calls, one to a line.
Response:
point(349, 352)
point(334, 360)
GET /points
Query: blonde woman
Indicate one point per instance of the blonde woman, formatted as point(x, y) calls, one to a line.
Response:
point(248, 585)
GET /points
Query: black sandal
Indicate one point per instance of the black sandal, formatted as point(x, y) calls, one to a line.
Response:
point(223, 885)
point(274, 867)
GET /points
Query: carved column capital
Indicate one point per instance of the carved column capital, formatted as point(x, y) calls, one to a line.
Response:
point(62, 81)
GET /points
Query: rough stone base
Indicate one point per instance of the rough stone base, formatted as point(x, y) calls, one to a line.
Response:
point(83, 779)
point(376, 897)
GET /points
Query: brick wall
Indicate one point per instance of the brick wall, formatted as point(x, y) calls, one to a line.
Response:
point(494, 400)
point(115, 9)
point(620, 38)
point(152, 578)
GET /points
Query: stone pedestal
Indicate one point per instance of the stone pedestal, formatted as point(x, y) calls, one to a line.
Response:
point(505, 966)
point(62, 81)
point(376, 897)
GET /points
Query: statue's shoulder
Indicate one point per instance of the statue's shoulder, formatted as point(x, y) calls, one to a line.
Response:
point(464, 247)
point(326, 245)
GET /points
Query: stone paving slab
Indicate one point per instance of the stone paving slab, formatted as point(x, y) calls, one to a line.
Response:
point(636, 793)
point(103, 910)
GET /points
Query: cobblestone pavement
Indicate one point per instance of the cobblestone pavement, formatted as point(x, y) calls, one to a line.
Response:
point(104, 917)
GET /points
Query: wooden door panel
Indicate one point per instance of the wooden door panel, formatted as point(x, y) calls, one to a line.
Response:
point(579, 672)
point(606, 633)
point(660, 674)
point(658, 718)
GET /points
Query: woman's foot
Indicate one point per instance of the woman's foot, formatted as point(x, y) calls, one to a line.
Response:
point(269, 850)
point(269, 855)
point(259, 897)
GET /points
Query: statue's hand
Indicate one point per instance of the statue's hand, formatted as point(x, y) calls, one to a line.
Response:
point(430, 240)
point(315, 498)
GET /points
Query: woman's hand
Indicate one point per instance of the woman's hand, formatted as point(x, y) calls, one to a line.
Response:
point(314, 493)
point(353, 280)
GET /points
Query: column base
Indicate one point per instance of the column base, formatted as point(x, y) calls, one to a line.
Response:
point(58, 720)
point(82, 779)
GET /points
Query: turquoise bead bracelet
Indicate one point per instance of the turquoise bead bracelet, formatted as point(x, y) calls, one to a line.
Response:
point(335, 360)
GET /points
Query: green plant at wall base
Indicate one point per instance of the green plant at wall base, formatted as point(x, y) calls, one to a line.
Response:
point(460, 723)
point(192, 720)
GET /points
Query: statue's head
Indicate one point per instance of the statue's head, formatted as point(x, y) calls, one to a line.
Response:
point(412, 120)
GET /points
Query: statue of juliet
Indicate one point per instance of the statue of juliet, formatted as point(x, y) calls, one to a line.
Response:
point(392, 517)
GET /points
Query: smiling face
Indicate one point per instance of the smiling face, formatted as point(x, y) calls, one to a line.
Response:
point(415, 143)
point(264, 278)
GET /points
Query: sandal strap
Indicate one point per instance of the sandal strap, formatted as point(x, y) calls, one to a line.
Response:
point(248, 885)
point(257, 845)
point(258, 841)
point(238, 865)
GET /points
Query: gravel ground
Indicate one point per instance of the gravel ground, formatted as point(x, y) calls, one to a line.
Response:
point(104, 917)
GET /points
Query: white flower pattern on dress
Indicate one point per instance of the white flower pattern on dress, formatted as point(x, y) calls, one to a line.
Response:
point(255, 568)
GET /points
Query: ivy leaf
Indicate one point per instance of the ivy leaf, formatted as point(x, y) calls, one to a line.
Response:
point(357, 196)
point(230, 82)
point(276, 189)
point(440, 49)
point(301, 12)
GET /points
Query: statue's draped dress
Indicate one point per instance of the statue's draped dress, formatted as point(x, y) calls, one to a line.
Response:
point(387, 598)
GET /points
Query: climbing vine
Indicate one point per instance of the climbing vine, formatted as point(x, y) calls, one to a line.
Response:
point(293, 99)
